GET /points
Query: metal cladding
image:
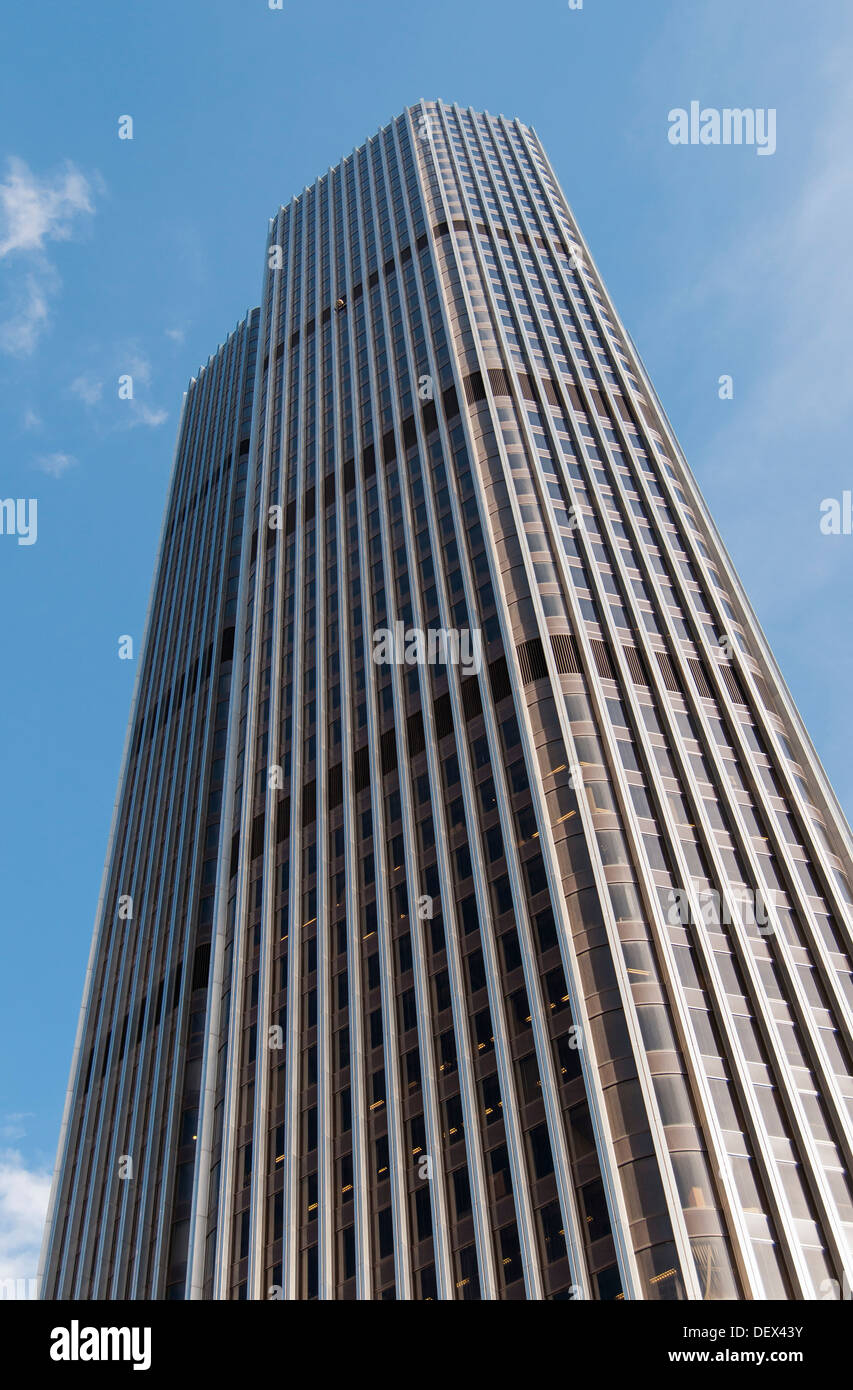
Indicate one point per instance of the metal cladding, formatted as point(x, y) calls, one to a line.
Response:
point(475, 922)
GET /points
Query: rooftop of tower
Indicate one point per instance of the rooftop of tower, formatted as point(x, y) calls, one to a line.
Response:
point(420, 107)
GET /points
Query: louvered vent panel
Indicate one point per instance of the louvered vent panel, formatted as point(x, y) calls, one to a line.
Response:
point(699, 676)
point(336, 785)
point(361, 768)
point(443, 716)
point(499, 382)
point(670, 679)
point(389, 752)
point(602, 660)
point(636, 666)
point(415, 733)
point(474, 388)
point(499, 679)
point(733, 685)
point(531, 659)
point(309, 802)
point(471, 702)
point(566, 653)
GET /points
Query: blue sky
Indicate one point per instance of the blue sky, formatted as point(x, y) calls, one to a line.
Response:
point(139, 257)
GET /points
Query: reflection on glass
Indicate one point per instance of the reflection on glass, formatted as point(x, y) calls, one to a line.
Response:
point(639, 962)
point(673, 1099)
point(625, 901)
point(660, 1275)
point(693, 1181)
point(747, 1187)
point(716, 1277)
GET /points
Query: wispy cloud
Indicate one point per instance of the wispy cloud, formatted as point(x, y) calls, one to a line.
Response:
point(176, 334)
point(87, 389)
point(136, 365)
point(33, 212)
point(31, 420)
point(54, 464)
point(12, 1126)
point(777, 455)
point(30, 309)
point(119, 384)
point(145, 415)
point(773, 298)
point(24, 1194)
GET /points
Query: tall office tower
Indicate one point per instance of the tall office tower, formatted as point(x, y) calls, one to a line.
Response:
point(488, 932)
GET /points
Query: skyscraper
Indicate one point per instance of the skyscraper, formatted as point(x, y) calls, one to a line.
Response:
point(476, 920)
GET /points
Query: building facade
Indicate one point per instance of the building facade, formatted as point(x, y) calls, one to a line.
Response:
point(476, 921)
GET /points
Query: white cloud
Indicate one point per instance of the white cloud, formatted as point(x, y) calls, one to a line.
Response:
point(12, 1127)
point(24, 1194)
point(32, 421)
point(55, 464)
point(87, 389)
point(34, 211)
point(20, 332)
point(135, 364)
point(176, 334)
point(105, 385)
point(144, 414)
